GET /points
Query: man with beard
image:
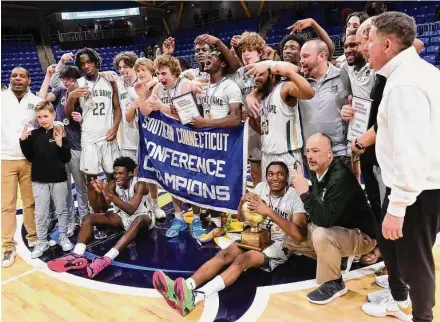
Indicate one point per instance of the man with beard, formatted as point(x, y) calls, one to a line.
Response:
point(18, 109)
point(279, 122)
point(332, 87)
point(286, 218)
point(101, 117)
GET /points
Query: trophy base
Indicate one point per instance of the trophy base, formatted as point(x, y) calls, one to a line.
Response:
point(254, 241)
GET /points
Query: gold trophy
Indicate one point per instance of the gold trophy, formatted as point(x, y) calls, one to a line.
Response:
point(255, 238)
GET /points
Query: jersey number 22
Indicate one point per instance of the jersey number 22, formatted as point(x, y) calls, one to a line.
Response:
point(99, 106)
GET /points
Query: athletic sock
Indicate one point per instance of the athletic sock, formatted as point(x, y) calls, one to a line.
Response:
point(112, 253)
point(214, 286)
point(154, 203)
point(79, 249)
point(179, 215)
point(191, 284)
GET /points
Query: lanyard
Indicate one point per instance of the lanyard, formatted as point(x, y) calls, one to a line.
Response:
point(209, 97)
point(90, 95)
point(174, 88)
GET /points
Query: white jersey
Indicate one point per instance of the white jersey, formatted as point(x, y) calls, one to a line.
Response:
point(218, 97)
point(129, 130)
point(166, 95)
point(196, 73)
point(280, 124)
point(285, 206)
point(246, 83)
point(127, 194)
point(97, 110)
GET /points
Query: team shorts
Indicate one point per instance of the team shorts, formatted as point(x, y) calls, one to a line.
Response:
point(254, 145)
point(275, 255)
point(127, 220)
point(99, 155)
point(293, 160)
point(133, 154)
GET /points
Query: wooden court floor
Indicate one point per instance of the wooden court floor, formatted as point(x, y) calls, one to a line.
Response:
point(29, 294)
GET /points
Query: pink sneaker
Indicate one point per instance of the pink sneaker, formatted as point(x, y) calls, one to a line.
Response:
point(68, 262)
point(97, 265)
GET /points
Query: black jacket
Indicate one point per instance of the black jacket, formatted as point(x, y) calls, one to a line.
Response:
point(48, 160)
point(338, 200)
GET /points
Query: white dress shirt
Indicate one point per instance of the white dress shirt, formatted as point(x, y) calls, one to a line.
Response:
point(407, 142)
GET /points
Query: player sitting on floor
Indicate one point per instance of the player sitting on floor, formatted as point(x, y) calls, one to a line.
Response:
point(286, 215)
point(129, 199)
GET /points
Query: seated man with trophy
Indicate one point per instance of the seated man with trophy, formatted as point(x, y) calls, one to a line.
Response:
point(275, 206)
point(341, 223)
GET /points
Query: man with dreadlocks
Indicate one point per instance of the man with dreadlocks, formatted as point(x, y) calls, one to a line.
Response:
point(279, 123)
point(101, 117)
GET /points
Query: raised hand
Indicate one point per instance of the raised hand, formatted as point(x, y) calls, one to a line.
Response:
point(58, 138)
point(347, 111)
point(168, 46)
point(25, 133)
point(77, 117)
point(209, 39)
point(299, 182)
point(300, 25)
point(79, 92)
point(67, 57)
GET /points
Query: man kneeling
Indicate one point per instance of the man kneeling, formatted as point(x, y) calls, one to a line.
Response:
point(286, 215)
point(341, 223)
point(129, 198)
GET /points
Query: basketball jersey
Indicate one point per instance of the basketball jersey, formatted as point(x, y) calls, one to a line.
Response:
point(166, 95)
point(217, 98)
point(97, 109)
point(196, 73)
point(280, 124)
point(244, 82)
point(127, 194)
point(285, 206)
point(129, 130)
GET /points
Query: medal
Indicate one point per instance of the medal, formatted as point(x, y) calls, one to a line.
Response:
point(66, 121)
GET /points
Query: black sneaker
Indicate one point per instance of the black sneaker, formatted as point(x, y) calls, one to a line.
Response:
point(327, 292)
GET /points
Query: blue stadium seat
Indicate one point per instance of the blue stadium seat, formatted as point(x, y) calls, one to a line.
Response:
point(433, 49)
point(435, 40)
point(429, 59)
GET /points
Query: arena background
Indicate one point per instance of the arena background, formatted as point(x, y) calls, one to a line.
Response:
point(36, 34)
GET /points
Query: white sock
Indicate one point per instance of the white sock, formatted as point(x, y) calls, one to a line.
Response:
point(154, 203)
point(112, 253)
point(214, 286)
point(179, 215)
point(191, 284)
point(79, 249)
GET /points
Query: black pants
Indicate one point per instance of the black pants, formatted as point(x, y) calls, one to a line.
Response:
point(368, 161)
point(409, 260)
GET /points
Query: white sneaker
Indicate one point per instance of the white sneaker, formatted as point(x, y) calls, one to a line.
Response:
point(70, 229)
point(39, 249)
point(158, 213)
point(65, 243)
point(382, 281)
point(8, 258)
point(378, 296)
point(389, 307)
point(32, 243)
point(52, 242)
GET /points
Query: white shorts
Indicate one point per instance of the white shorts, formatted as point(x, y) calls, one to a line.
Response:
point(254, 145)
point(275, 255)
point(127, 220)
point(99, 155)
point(133, 154)
point(293, 160)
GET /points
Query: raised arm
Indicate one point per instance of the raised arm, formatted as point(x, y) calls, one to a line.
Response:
point(55, 81)
point(43, 93)
point(233, 63)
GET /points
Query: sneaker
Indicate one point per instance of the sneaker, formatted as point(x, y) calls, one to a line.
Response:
point(158, 213)
point(68, 262)
point(39, 249)
point(382, 281)
point(99, 234)
point(32, 243)
point(388, 307)
point(176, 227)
point(70, 229)
point(8, 258)
point(327, 292)
point(165, 286)
point(196, 228)
point(52, 242)
point(97, 265)
point(207, 237)
point(378, 296)
point(65, 243)
point(185, 297)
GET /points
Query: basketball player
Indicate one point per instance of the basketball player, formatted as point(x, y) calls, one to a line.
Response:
point(101, 117)
point(286, 216)
point(129, 198)
point(171, 85)
point(279, 125)
point(251, 47)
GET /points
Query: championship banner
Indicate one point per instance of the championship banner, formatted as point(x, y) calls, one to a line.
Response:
point(205, 167)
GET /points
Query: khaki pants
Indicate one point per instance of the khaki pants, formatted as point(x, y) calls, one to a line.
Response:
point(14, 173)
point(328, 245)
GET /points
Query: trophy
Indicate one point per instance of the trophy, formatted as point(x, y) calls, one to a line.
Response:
point(255, 237)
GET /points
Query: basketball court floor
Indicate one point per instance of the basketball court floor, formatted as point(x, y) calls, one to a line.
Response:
point(124, 291)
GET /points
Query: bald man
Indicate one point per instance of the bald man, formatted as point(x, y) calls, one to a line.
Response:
point(341, 223)
point(332, 87)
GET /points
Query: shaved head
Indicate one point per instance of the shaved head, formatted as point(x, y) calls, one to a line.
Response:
point(362, 36)
point(314, 57)
point(319, 152)
point(318, 45)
